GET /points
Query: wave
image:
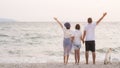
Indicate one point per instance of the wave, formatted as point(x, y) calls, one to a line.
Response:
point(39, 36)
point(3, 35)
point(15, 52)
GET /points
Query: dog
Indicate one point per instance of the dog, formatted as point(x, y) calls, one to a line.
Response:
point(107, 59)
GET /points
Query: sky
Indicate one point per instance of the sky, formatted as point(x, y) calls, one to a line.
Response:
point(64, 10)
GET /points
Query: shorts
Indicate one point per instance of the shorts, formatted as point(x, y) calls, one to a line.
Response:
point(76, 46)
point(67, 45)
point(90, 46)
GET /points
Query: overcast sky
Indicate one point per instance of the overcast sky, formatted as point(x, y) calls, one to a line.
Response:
point(65, 10)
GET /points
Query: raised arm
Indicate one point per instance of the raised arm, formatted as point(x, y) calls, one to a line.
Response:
point(58, 22)
point(104, 14)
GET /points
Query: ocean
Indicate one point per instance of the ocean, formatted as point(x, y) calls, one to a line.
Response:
point(42, 42)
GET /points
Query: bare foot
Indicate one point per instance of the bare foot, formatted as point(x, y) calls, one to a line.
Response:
point(86, 63)
point(93, 62)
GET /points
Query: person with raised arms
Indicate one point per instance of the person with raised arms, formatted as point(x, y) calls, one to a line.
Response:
point(67, 42)
point(89, 36)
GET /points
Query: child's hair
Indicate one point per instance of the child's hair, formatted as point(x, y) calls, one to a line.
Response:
point(67, 25)
point(77, 27)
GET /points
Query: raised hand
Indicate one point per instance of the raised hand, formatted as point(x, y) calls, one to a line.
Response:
point(55, 18)
point(58, 22)
point(104, 14)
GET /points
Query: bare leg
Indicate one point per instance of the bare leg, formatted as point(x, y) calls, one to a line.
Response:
point(67, 59)
point(78, 55)
point(87, 55)
point(65, 55)
point(94, 57)
point(64, 59)
point(75, 56)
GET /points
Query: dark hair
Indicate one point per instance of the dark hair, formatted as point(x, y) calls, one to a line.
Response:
point(67, 25)
point(89, 20)
point(77, 26)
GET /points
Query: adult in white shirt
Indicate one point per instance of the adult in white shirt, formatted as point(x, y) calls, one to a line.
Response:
point(77, 38)
point(67, 42)
point(89, 35)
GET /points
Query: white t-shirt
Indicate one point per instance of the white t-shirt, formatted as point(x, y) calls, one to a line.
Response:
point(90, 31)
point(77, 34)
point(67, 33)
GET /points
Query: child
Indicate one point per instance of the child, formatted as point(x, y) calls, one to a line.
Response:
point(67, 42)
point(77, 43)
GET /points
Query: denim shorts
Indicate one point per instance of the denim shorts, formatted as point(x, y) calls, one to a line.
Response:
point(76, 46)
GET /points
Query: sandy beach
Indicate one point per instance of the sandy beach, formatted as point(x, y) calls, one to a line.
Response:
point(58, 65)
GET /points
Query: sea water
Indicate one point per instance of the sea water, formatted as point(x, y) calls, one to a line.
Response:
point(42, 42)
